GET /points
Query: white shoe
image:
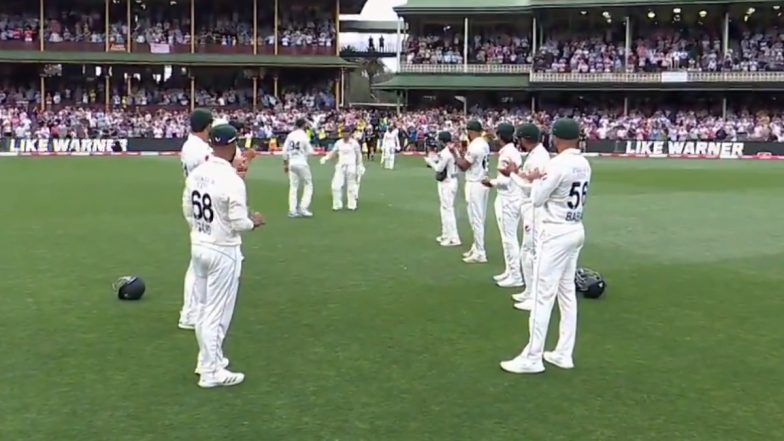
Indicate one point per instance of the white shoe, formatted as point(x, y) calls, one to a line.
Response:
point(475, 259)
point(501, 276)
point(450, 243)
point(558, 360)
point(186, 326)
point(521, 296)
point(525, 305)
point(337, 208)
point(352, 208)
point(221, 378)
point(305, 213)
point(469, 253)
point(521, 365)
point(293, 214)
point(440, 239)
point(223, 365)
point(510, 283)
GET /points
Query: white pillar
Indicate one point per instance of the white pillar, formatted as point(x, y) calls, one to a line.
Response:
point(465, 45)
point(628, 44)
point(625, 106)
point(533, 104)
point(399, 42)
point(725, 34)
point(534, 36)
point(724, 108)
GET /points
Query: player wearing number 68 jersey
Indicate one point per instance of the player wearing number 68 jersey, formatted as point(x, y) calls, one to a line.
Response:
point(214, 204)
point(296, 150)
point(558, 196)
point(475, 165)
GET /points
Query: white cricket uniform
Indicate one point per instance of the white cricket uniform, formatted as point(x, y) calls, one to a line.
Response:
point(390, 144)
point(349, 164)
point(296, 149)
point(537, 158)
point(214, 203)
point(476, 194)
point(194, 153)
point(447, 190)
point(507, 211)
point(558, 199)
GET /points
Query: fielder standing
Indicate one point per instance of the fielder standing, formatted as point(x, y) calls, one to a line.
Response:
point(537, 159)
point(296, 150)
point(347, 171)
point(214, 203)
point(558, 197)
point(443, 163)
point(475, 165)
point(390, 145)
point(507, 208)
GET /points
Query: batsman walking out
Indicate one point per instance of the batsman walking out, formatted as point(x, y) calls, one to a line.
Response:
point(558, 196)
point(348, 170)
point(214, 204)
point(296, 150)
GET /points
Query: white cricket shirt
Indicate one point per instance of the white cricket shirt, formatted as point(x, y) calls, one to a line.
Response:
point(348, 153)
point(445, 160)
point(214, 204)
point(194, 153)
point(504, 185)
point(537, 158)
point(296, 147)
point(477, 155)
point(391, 140)
point(562, 193)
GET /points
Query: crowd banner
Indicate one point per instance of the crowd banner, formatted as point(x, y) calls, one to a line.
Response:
point(685, 149)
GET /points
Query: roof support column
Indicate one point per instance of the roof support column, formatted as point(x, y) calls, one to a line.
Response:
point(724, 108)
point(41, 28)
point(628, 45)
point(725, 35)
point(534, 36)
point(533, 104)
point(106, 26)
point(626, 105)
point(465, 44)
point(399, 43)
point(193, 34)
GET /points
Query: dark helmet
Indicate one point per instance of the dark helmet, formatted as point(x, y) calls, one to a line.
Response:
point(590, 283)
point(129, 288)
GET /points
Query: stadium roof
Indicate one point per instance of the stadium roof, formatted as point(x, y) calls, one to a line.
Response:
point(351, 6)
point(504, 6)
point(453, 82)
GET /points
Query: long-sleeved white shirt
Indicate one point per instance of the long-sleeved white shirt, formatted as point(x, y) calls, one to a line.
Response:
point(194, 153)
point(477, 155)
point(562, 192)
point(537, 158)
point(391, 141)
point(348, 152)
point(444, 160)
point(297, 148)
point(504, 185)
point(214, 204)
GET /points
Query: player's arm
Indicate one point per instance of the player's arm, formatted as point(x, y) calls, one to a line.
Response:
point(331, 154)
point(238, 208)
point(464, 162)
point(187, 206)
point(438, 165)
point(544, 185)
point(358, 152)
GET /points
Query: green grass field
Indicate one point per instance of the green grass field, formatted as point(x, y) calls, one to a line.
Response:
point(357, 326)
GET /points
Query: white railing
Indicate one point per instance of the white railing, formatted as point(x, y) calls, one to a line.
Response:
point(469, 69)
point(658, 77)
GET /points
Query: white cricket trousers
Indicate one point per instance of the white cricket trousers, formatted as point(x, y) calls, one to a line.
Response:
point(476, 200)
point(217, 270)
point(555, 263)
point(447, 191)
point(299, 174)
point(507, 214)
point(528, 245)
point(389, 158)
point(190, 310)
point(345, 176)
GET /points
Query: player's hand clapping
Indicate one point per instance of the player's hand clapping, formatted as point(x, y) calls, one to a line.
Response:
point(258, 219)
point(534, 174)
point(509, 168)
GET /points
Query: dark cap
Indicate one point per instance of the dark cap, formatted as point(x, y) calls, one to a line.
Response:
point(444, 136)
point(474, 126)
point(223, 135)
point(505, 131)
point(201, 119)
point(300, 123)
point(566, 128)
point(529, 132)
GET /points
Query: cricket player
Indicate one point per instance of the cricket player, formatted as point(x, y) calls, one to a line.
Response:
point(475, 165)
point(443, 163)
point(529, 138)
point(195, 152)
point(558, 197)
point(347, 171)
point(507, 208)
point(296, 150)
point(214, 204)
point(390, 145)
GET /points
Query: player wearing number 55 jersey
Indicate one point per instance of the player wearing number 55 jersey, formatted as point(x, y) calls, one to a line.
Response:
point(558, 197)
point(296, 150)
point(214, 204)
point(474, 164)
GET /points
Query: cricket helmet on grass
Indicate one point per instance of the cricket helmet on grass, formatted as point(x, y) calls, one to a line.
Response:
point(590, 283)
point(129, 288)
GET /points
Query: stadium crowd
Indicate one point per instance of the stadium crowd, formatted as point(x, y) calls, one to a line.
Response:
point(763, 125)
point(657, 49)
